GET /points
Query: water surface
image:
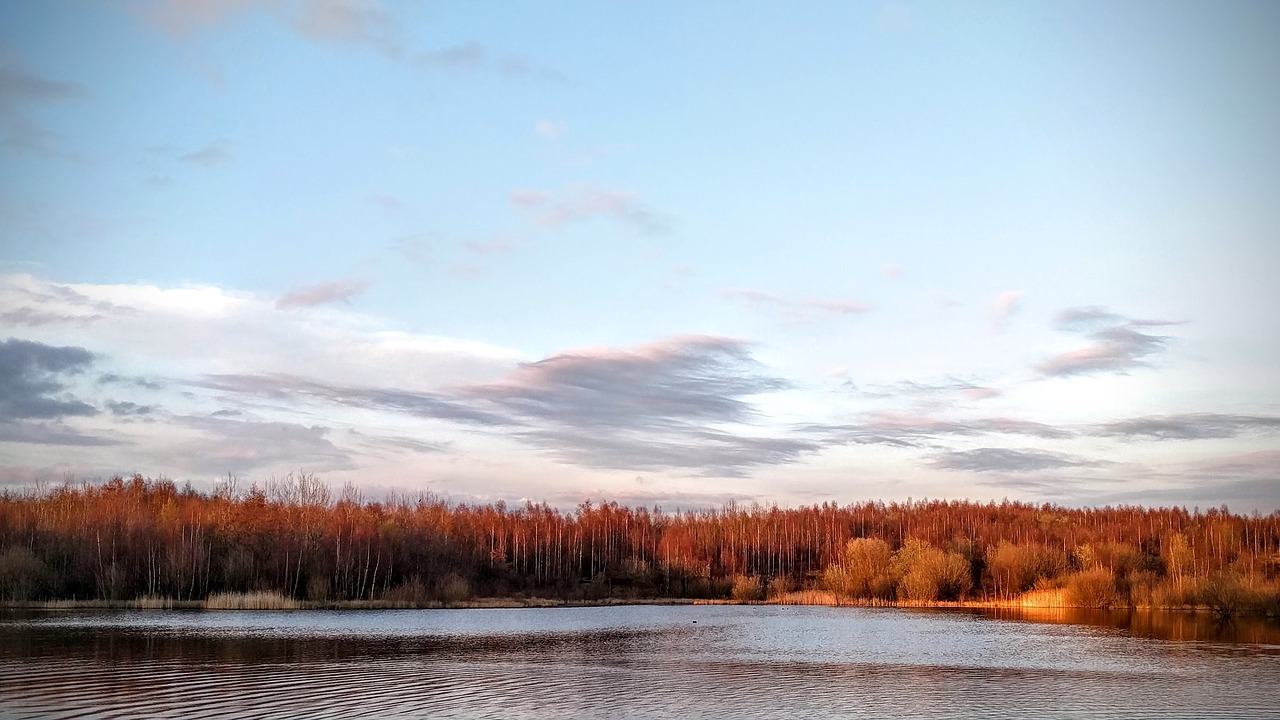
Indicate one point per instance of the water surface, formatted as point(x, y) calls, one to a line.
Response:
point(636, 661)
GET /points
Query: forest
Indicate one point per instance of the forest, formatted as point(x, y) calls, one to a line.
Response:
point(294, 537)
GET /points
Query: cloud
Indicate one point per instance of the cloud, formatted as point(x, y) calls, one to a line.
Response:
point(1246, 481)
point(584, 202)
point(893, 271)
point(346, 21)
point(18, 86)
point(944, 390)
point(337, 291)
point(19, 89)
point(1005, 460)
point(363, 22)
point(31, 384)
point(1087, 318)
point(339, 23)
point(473, 56)
point(1003, 310)
point(901, 430)
point(224, 445)
point(281, 386)
point(215, 153)
point(167, 333)
point(178, 18)
point(1188, 426)
point(467, 57)
point(1117, 344)
point(681, 379)
point(519, 66)
point(133, 381)
point(668, 404)
point(33, 317)
point(551, 130)
point(51, 433)
point(397, 443)
point(796, 310)
point(120, 408)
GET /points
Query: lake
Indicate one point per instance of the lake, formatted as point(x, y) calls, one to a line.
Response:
point(717, 661)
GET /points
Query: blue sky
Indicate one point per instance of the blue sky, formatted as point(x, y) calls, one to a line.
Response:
point(646, 252)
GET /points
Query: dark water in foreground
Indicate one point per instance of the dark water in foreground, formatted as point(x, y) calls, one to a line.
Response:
point(640, 661)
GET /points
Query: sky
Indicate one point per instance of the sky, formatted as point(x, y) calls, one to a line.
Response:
point(674, 254)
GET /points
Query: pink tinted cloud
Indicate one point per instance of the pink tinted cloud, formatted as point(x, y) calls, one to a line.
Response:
point(337, 291)
point(583, 202)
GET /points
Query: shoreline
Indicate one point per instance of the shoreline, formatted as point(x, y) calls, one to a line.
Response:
point(811, 598)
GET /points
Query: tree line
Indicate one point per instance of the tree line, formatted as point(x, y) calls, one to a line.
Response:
point(135, 537)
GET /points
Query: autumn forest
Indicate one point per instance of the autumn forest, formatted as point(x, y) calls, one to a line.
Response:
point(296, 538)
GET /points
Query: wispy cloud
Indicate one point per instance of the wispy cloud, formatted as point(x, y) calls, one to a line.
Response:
point(467, 56)
point(329, 21)
point(584, 202)
point(350, 23)
point(178, 18)
point(396, 443)
point(124, 408)
point(680, 403)
point(130, 381)
point(20, 89)
point(1005, 460)
point(53, 433)
point(944, 390)
point(1116, 343)
point(219, 445)
point(18, 86)
point(907, 430)
point(215, 153)
point(427, 405)
point(796, 309)
point(473, 56)
point(337, 291)
point(346, 21)
point(1188, 426)
point(521, 66)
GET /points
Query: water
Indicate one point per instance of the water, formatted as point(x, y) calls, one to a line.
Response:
point(638, 661)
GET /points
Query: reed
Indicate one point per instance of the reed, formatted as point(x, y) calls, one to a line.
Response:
point(151, 602)
point(251, 601)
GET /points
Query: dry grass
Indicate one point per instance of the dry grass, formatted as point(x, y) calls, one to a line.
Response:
point(151, 602)
point(251, 601)
point(805, 597)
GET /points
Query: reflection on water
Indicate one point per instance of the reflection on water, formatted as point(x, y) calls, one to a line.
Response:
point(659, 662)
point(1181, 626)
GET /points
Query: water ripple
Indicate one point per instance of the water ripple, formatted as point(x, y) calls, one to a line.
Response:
point(626, 662)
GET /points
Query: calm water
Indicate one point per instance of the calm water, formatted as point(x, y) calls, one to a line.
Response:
point(645, 662)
